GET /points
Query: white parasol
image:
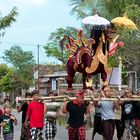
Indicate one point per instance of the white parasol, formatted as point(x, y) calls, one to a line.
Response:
point(95, 20)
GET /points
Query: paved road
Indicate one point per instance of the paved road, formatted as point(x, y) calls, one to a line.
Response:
point(61, 133)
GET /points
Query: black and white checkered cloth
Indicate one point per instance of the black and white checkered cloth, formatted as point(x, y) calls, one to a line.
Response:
point(51, 129)
point(36, 134)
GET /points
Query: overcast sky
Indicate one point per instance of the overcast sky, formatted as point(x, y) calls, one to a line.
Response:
point(36, 20)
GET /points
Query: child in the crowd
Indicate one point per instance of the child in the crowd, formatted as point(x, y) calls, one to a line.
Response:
point(6, 121)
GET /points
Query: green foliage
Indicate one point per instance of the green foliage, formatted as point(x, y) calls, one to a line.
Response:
point(133, 12)
point(6, 80)
point(23, 63)
point(18, 58)
point(83, 8)
point(3, 70)
point(10, 18)
point(113, 61)
point(54, 49)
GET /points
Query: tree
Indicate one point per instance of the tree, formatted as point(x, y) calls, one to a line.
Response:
point(106, 8)
point(8, 20)
point(54, 48)
point(6, 78)
point(23, 64)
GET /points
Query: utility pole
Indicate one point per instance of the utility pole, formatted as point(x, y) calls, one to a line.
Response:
point(38, 81)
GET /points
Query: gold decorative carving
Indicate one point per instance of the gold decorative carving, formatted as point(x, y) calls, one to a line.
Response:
point(99, 57)
point(104, 83)
point(89, 82)
point(94, 65)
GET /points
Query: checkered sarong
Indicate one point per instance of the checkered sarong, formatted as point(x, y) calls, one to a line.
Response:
point(51, 129)
point(77, 133)
point(36, 133)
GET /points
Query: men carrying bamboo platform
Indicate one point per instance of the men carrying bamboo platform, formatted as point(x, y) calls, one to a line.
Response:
point(80, 103)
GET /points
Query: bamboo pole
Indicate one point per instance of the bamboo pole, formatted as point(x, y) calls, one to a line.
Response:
point(87, 98)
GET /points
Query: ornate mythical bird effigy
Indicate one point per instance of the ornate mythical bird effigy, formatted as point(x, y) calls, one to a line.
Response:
point(90, 57)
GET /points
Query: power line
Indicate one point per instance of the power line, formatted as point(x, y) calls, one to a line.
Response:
point(26, 44)
point(19, 43)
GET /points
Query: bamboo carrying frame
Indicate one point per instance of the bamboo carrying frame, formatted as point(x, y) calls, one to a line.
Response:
point(87, 98)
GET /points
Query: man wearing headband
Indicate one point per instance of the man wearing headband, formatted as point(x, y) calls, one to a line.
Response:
point(77, 109)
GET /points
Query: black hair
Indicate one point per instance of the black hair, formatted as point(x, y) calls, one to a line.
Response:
point(34, 92)
point(27, 94)
point(50, 93)
point(6, 99)
point(129, 90)
point(96, 34)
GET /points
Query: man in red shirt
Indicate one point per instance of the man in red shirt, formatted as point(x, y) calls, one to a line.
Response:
point(35, 114)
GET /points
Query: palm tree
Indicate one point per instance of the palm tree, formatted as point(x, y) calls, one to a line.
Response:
point(106, 8)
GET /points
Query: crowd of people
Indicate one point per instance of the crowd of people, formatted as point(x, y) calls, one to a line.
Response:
point(122, 115)
point(38, 114)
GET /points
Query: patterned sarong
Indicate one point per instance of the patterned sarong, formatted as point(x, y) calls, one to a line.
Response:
point(50, 128)
point(77, 133)
point(129, 130)
point(36, 133)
